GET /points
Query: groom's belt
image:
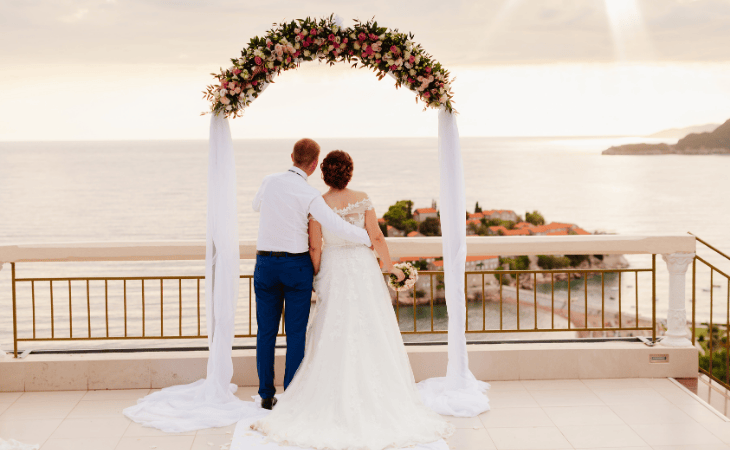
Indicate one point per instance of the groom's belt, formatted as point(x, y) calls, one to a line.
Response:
point(280, 254)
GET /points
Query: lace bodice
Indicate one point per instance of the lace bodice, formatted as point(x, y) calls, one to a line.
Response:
point(354, 213)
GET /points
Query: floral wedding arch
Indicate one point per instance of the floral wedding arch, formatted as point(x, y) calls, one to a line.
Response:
point(210, 402)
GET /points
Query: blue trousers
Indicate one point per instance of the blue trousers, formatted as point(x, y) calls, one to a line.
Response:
point(278, 280)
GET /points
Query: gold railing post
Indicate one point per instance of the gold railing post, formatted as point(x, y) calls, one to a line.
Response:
point(694, 297)
point(15, 311)
point(653, 298)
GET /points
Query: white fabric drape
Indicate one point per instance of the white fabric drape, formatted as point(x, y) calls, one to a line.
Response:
point(459, 393)
point(12, 444)
point(210, 402)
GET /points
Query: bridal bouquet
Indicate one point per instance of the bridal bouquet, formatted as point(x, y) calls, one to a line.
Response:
point(408, 282)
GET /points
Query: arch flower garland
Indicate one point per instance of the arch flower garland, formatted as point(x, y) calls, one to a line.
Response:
point(285, 47)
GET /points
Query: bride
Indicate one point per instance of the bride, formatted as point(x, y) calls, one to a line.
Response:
point(355, 387)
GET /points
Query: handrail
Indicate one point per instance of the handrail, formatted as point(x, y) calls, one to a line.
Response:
point(710, 246)
point(399, 247)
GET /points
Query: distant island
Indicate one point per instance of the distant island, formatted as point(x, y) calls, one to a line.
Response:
point(679, 133)
point(716, 142)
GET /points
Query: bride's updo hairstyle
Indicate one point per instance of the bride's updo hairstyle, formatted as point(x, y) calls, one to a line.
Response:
point(337, 169)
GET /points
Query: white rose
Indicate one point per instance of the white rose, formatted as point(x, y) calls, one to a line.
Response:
point(250, 91)
point(331, 47)
point(378, 55)
point(223, 91)
point(391, 62)
point(382, 36)
point(297, 30)
point(352, 36)
point(270, 65)
point(408, 65)
point(418, 59)
point(307, 53)
point(356, 46)
point(305, 32)
point(297, 46)
point(412, 72)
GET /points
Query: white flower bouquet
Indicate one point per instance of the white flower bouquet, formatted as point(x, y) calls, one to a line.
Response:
point(408, 282)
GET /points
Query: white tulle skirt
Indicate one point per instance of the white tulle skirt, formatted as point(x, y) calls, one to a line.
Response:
point(355, 387)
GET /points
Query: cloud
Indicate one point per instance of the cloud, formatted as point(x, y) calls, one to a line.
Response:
point(75, 17)
point(465, 32)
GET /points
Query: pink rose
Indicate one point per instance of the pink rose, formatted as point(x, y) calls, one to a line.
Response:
point(373, 37)
point(393, 67)
point(377, 61)
point(368, 51)
point(313, 31)
point(394, 49)
point(428, 70)
point(236, 71)
point(426, 95)
point(254, 83)
point(258, 61)
point(345, 40)
point(331, 38)
point(411, 59)
point(361, 36)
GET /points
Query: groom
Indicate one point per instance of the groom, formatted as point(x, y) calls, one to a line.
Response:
point(284, 271)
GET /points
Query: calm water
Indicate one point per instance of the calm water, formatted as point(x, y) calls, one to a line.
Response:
point(132, 191)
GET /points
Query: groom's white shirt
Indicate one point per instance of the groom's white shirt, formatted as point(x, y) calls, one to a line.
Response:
point(285, 201)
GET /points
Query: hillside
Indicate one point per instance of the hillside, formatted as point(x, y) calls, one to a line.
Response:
point(709, 143)
point(679, 133)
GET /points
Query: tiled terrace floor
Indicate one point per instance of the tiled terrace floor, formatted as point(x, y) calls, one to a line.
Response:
point(558, 414)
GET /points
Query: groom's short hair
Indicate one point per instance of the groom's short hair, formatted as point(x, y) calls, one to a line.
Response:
point(305, 152)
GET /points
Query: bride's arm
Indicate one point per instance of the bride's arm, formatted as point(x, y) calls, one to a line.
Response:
point(315, 244)
point(378, 240)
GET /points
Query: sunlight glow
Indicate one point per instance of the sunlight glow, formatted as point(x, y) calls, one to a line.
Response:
point(630, 38)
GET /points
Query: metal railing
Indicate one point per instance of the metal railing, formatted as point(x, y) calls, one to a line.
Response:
point(567, 311)
point(141, 307)
point(712, 338)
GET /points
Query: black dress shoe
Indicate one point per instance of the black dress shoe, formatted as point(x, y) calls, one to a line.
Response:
point(268, 403)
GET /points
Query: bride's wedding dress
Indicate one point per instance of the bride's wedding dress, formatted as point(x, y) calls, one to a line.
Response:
point(355, 388)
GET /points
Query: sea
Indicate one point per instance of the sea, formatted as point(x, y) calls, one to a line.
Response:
point(60, 192)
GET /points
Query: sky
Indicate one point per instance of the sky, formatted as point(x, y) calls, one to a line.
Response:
point(136, 69)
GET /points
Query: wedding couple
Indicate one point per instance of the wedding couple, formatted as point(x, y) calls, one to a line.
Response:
point(348, 381)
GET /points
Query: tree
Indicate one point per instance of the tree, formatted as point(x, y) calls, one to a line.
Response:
point(421, 264)
point(535, 218)
point(430, 227)
point(384, 228)
point(400, 216)
point(477, 208)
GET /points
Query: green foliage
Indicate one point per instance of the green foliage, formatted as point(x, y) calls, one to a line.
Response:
point(505, 277)
point(430, 227)
point(550, 262)
point(383, 228)
point(421, 264)
point(575, 260)
point(519, 263)
point(400, 216)
point(535, 218)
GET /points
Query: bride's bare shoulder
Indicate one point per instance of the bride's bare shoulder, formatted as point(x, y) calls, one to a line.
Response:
point(359, 196)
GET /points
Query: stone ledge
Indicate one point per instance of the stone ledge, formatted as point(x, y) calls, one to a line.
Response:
point(490, 362)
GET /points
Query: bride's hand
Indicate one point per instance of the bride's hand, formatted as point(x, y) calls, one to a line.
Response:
point(398, 273)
